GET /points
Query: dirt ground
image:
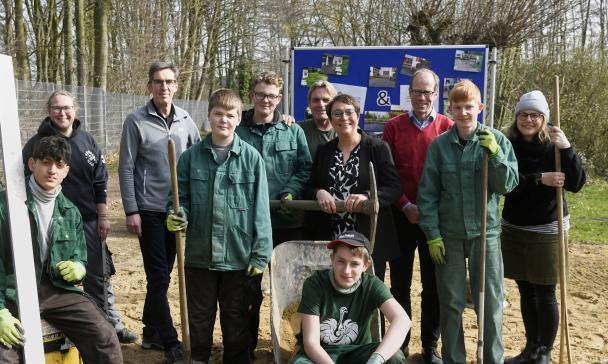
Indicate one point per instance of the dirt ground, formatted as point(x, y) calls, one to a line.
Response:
point(587, 303)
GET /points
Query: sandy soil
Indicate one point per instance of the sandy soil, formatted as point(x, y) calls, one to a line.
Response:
point(587, 303)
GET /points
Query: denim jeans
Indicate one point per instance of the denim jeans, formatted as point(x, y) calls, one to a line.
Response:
point(157, 246)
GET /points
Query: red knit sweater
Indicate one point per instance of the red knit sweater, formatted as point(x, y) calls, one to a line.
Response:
point(409, 145)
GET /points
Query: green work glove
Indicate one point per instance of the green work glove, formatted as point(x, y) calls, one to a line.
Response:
point(253, 271)
point(177, 222)
point(375, 358)
point(10, 329)
point(71, 271)
point(437, 250)
point(488, 141)
point(286, 197)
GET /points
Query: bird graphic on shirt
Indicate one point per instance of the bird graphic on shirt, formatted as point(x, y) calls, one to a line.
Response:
point(341, 332)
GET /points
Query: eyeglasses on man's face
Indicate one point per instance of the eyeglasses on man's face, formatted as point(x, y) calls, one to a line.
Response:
point(425, 93)
point(261, 96)
point(341, 113)
point(169, 83)
point(533, 115)
point(58, 109)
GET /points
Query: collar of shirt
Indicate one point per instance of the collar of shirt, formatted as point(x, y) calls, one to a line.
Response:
point(421, 124)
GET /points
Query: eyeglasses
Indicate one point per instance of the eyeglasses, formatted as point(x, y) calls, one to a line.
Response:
point(533, 115)
point(340, 113)
point(59, 109)
point(425, 93)
point(261, 96)
point(169, 83)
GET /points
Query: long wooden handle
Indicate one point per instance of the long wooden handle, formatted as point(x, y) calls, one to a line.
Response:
point(563, 281)
point(179, 248)
point(482, 258)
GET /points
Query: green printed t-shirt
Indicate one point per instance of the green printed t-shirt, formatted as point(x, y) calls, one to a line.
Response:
point(345, 318)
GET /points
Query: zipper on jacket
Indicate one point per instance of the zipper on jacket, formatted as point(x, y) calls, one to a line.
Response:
point(145, 173)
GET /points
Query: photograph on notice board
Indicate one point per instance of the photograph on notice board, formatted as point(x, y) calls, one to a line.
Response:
point(375, 120)
point(312, 74)
point(333, 64)
point(468, 61)
point(358, 92)
point(382, 76)
point(446, 110)
point(448, 85)
point(412, 63)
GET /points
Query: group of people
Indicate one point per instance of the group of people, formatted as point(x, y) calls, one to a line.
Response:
point(428, 169)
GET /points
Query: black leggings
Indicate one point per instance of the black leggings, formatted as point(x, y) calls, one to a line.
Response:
point(539, 312)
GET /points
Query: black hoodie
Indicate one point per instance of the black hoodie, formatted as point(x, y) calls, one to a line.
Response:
point(86, 183)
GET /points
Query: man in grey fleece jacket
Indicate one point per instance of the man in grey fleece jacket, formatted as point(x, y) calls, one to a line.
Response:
point(144, 185)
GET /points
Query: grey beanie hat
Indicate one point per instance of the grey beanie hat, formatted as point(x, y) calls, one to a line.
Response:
point(534, 100)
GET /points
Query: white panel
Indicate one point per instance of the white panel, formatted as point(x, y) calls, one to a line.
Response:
point(25, 274)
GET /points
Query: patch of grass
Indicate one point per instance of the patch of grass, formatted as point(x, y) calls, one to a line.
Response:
point(589, 213)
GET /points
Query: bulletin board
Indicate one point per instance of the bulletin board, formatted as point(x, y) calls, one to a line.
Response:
point(379, 77)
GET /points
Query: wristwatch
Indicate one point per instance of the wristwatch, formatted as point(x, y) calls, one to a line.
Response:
point(538, 179)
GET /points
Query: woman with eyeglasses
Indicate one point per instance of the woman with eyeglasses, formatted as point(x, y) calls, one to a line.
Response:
point(530, 245)
point(340, 172)
point(85, 185)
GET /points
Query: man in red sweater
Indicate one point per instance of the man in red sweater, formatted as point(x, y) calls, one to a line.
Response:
point(409, 136)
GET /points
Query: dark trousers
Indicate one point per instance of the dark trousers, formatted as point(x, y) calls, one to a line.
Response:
point(411, 238)
point(98, 274)
point(157, 246)
point(231, 289)
point(80, 320)
point(539, 312)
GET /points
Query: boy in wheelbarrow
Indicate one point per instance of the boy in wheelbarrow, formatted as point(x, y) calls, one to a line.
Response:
point(337, 307)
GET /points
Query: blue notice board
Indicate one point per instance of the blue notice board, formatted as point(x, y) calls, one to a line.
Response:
point(379, 77)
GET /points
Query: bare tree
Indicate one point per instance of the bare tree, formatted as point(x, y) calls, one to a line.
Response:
point(22, 69)
point(81, 63)
point(68, 47)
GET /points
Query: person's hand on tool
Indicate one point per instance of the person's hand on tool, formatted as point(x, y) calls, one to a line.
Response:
point(134, 224)
point(558, 138)
point(437, 250)
point(253, 271)
point(488, 141)
point(326, 202)
point(411, 213)
point(553, 179)
point(176, 222)
point(375, 358)
point(288, 119)
point(71, 271)
point(11, 331)
point(353, 201)
point(286, 197)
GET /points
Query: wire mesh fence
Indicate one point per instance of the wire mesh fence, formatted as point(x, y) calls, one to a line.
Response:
point(101, 113)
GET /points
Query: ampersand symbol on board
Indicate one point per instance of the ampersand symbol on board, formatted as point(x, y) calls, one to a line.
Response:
point(383, 98)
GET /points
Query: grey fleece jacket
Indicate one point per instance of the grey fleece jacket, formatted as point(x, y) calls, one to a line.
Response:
point(143, 167)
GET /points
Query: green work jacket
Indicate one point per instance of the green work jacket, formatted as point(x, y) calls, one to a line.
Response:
point(66, 242)
point(287, 160)
point(449, 194)
point(227, 207)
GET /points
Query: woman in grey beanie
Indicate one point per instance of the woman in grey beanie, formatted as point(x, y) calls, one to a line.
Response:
point(529, 221)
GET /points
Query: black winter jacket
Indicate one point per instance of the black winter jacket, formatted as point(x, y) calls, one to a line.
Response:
point(532, 203)
point(87, 180)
